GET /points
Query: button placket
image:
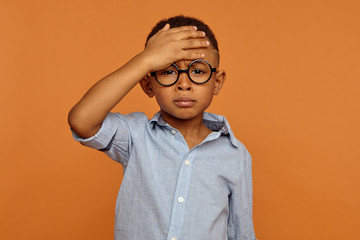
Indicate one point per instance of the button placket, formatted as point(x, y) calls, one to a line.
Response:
point(180, 196)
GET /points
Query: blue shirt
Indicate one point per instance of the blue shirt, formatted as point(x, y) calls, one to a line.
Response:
point(173, 193)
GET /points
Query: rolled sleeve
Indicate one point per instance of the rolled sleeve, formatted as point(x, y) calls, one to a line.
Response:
point(103, 137)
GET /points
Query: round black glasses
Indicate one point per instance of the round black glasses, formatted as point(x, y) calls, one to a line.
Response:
point(199, 71)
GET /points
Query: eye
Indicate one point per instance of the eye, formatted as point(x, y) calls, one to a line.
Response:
point(197, 71)
point(168, 72)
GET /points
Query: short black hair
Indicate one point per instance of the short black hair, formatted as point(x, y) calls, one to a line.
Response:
point(181, 20)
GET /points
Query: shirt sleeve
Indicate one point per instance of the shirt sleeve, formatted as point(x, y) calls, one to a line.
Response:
point(240, 223)
point(113, 138)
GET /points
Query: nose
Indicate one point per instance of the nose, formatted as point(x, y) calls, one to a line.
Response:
point(184, 83)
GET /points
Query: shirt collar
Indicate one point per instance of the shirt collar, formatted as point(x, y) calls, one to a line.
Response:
point(213, 121)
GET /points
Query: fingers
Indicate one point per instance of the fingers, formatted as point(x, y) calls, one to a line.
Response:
point(187, 34)
point(184, 32)
point(185, 37)
point(172, 44)
point(183, 28)
point(195, 43)
point(168, 34)
point(191, 55)
point(191, 49)
point(176, 29)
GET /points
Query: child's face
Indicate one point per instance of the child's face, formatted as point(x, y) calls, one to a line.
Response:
point(185, 99)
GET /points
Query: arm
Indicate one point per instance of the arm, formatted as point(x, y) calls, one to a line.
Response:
point(240, 225)
point(164, 48)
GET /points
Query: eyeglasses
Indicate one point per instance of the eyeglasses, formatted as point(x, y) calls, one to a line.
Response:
point(199, 71)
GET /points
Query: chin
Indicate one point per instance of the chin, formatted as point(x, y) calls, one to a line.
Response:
point(187, 116)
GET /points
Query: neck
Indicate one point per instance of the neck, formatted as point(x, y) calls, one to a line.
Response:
point(193, 130)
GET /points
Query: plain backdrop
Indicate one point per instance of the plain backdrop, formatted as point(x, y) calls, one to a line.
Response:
point(292, 97)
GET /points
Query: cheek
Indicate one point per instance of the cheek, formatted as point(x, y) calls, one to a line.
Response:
point(162, 96)
point(206, 95)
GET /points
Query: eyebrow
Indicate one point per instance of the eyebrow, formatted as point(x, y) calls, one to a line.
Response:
point(187, 62)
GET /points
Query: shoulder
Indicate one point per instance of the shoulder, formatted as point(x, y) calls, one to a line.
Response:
point(136, 123)
point(236, 150)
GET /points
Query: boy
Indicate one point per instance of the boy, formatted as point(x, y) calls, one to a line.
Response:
point(185, 174)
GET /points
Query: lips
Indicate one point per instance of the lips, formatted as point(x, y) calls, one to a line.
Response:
point(184, 102)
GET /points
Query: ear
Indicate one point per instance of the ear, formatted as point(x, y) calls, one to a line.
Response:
point(220, 78)
point(145, 84)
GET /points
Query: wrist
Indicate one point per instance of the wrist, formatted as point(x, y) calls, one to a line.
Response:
point(145, 62)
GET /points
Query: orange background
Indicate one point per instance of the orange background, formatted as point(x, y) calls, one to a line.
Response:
point(292, 96)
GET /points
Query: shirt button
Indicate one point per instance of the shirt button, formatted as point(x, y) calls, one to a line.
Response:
point(173, 131)
point(180, 199)
point(187, 162)
point(173, 238)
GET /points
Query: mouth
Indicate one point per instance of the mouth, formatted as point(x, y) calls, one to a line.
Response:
point(184, 102)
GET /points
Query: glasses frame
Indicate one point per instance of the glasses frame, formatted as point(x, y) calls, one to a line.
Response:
point(153, 74)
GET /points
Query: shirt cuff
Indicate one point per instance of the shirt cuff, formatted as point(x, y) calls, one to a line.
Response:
point(103, 137)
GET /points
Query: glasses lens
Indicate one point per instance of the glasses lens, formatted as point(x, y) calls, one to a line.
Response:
point(167, 76)
point(200, 72)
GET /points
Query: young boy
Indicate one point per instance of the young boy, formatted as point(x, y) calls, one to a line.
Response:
point(185, 174)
